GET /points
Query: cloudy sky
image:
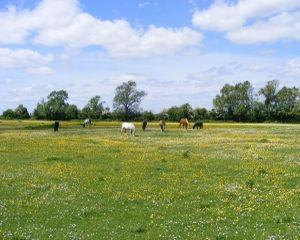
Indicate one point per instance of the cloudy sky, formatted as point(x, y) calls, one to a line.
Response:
point(178, 51)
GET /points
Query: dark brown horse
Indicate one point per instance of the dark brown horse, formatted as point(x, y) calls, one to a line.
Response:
point(184, 123)
point(144, 125)
point(162, 125)
point(198, 125)
point(56, 126)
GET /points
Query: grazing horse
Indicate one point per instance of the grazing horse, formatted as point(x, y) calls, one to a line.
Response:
point(56, 126)
point(184, 123)
point(144, 125)
point(162, 124)
point(198, 125)
point(87, 123)
point(128, 126)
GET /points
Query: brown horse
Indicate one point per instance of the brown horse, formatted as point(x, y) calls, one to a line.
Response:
point(184, 123)
point(162, 125)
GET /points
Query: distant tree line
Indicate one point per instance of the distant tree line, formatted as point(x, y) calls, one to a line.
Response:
point(239, 103)
point(236, 102)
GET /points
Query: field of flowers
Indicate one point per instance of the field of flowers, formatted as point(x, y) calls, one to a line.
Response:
point(227, 181)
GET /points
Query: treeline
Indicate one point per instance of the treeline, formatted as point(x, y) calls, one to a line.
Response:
point(239, 103)
point(236, 102)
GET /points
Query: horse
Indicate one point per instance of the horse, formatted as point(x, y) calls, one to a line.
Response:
point(87, 122)
point(144, 125)
point(198, 124)
point(56, 126)
point(128, 126)
point(184, 123)
point(162, 125)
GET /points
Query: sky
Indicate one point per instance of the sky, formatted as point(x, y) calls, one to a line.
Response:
point(177, 51)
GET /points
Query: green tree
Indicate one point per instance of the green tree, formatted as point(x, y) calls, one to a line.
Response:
point(8, 114)
point(107, 114)
point(234, 101)
point(71, 112)
point(201, 114)
point(174, 113)
point(94, 109)
point(21, 112)
point(56, 105)
point(285, 102)
point(187, 111)
point(163, 115)
point(85, 113)
point(40, 111)
point(127, 99)
point(147, 115)
point(184, 111)
point(269, 93)
point(258, 112)
point(296, 109)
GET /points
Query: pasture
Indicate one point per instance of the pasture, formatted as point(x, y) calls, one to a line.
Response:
point(227, 181)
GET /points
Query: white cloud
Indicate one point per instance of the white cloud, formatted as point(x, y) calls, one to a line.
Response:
point(138, 78)
point(252, 21)
point(16, 26)
point(63, 23)
point(293, 67)
point(145, 4)
point(22, 58)
point(283, 26)
point(43, 70)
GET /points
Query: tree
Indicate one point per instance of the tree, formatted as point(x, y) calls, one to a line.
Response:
point(56, 105)
point(296, 110)
point(269, 93)
point(187, 111)
point(94, 109)
point(71, 112)
point(174, 114)
point(285, 101)
point(147, 115)
point(40, 111)
point(21, 112)
point(184, 111)
point(258, 112)
point(54, 108)
point(200, 114)
point(106, 114)
point(163, 115)
point(234, 101)
point(8, 114)
point(127, 99)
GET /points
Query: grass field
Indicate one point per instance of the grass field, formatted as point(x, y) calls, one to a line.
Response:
point(227, 181)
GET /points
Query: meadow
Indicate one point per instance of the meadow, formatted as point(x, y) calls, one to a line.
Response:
point(227, 181)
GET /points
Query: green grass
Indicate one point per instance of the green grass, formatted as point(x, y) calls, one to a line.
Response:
point(227, 181)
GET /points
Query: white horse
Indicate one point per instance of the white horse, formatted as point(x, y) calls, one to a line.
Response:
point(128, 126)
point(87, 122)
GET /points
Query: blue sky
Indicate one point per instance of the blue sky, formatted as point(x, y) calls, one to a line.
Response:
point(177, 51)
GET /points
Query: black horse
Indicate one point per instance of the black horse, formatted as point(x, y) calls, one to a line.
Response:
point(56, 126)
point(144, 125)
point(198, 125)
